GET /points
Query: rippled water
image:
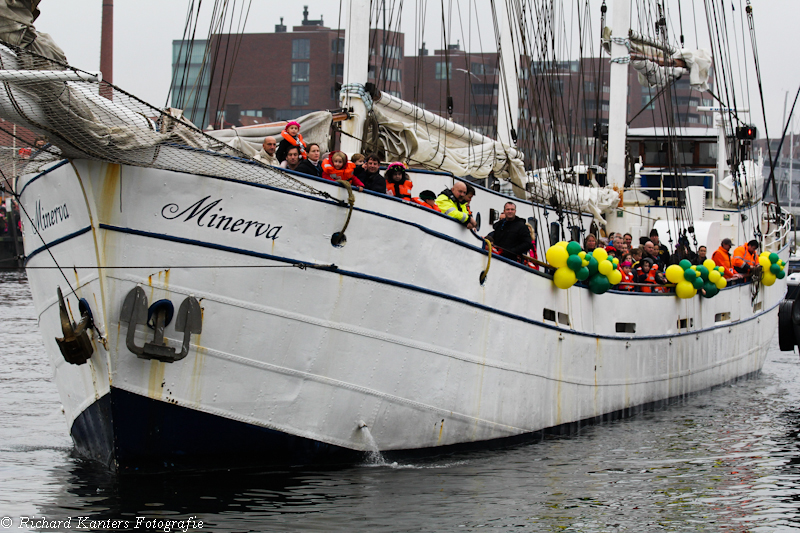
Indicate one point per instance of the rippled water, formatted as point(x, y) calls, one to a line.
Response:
point(725, 460)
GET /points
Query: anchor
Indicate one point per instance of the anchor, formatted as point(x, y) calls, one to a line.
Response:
point(75, 346)
point(158, 316)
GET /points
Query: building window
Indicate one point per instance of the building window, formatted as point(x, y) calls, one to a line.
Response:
point(443, 70)
point(392, 52)
point(589, 86)
point(337, 45)
point(371, 72)
point(337, 69)
point(646, 103)
point(300, 71)
point(301, 48)
point(391, 74)
point(557, 87)
point(481, 110)
point(484, 89)
point(299, 95)
point(477, 68)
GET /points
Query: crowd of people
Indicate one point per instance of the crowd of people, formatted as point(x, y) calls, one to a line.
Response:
point(643, 267)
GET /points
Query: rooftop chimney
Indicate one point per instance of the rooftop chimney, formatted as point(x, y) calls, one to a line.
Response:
point(107, 46)
point(423, 51)
point(280, 28)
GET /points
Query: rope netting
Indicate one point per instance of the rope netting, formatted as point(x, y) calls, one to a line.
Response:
point(64, 114)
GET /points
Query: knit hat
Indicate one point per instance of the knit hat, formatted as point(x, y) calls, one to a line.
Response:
point(427, 195)
point(291, 123)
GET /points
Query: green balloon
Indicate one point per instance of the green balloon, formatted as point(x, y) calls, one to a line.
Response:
point(685, 264)
point(575, 262)
point(573, 248)
point(593, 264)
point(773, 258)
point(698, 283)
point(689, 274)
point(616, 265)
point(582, 274)
point(781, 274)
point(703, 272)
point(775, 268)
point(599, 284)
point(711, 290)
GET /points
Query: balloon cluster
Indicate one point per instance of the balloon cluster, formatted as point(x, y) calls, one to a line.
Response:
point(573, 265)
point(689, 278)
point(773, 267)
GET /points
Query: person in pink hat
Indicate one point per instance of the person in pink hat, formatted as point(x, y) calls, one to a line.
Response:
point(291, 137)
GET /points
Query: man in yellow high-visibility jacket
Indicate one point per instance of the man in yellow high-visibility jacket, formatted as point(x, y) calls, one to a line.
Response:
point(452, 202)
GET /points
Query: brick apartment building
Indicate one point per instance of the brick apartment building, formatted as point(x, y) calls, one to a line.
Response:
point(280, 75)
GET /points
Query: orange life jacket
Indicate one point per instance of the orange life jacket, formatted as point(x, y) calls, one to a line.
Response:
point(420, 201)
point(299, 142)
point(742, 256)
point(399, 190)
point(332, 173)
point(723, 258)
point(628, 278)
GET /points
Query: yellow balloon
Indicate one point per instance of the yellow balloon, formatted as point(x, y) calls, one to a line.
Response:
point(605, 267)
point(557, 256)
point(721, 283)
point(769, 278)
point(582, 254)
point(600, 255)
point(562, 244)
point(694, 267)
point(674, 274)
point(714, 276)
point(585, 263)
point(615, 261)
point(564, 278)
point(685, 290)
point(764, 261)
point(709, 264)
point(615, 277)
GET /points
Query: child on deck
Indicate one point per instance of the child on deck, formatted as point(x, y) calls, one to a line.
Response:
point(291, 137)
point(627, 275)
point(397, 183)
point(336, 167)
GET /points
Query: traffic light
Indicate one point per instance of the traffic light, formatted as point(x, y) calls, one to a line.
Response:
point(746, 133)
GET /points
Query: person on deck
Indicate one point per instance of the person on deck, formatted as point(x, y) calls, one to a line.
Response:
point(590, 242)
point(661, 250)
point(451, 203)
point(744, 258)
point(336, 167)
point(267, 153)
point(293, 162)
point(511, 234)
point(722, 257)
point(291, 137)
point(650, 251)
point(648, 274)
point(427, 199)
point(314, 155)
point(701, 257)
point(397, 182)
point(627, 276)
point(372, 178)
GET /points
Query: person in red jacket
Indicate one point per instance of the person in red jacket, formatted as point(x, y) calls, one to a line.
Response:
point(397, 183)
point(336, 167)
point(427, 199)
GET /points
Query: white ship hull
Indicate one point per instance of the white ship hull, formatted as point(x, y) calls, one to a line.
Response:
point(399, 335)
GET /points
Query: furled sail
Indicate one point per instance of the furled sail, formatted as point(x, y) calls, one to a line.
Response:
point(315, 128)
point(659, 65)
point(411, 134)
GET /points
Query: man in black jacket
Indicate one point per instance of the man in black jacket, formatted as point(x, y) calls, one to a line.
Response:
point(511, 234)
point(371, 174)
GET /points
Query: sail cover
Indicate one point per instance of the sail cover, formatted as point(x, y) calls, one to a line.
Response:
point(409, 133)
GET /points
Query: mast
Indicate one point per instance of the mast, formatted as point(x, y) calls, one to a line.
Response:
point(356, 70)
point(618, 99)
point(107, 47)
point(508, 100)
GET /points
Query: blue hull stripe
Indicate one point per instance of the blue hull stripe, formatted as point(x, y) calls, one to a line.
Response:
point(416, 288)
point(58, 241)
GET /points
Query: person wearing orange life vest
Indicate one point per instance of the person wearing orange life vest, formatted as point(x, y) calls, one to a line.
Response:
point(744, 258)
point(291, 137)
point(427, 199)
point(649, 274)
point(397, 183)
point(627, 275)
point(722, 257)
point(336, 167)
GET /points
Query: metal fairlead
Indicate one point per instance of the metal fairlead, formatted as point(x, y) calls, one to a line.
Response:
point(135, 312)
point(75, 346)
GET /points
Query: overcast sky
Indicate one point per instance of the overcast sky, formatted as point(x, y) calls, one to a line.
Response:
point(144, 31)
